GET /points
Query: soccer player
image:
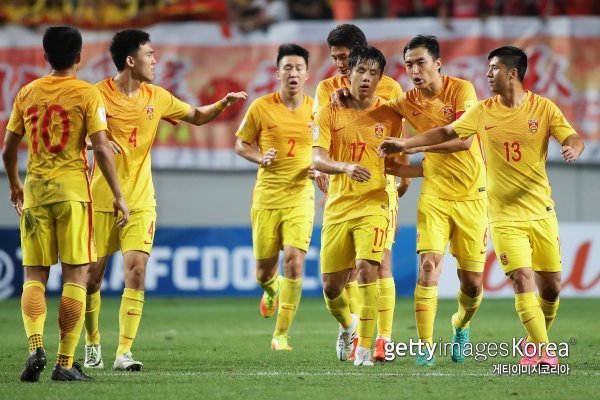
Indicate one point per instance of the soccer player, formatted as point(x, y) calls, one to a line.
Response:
point(57, 112)
point(356, 214)
point(283, 199)
point(134, 108)
point(341, 40)
point(453, 205)
point(515, 126)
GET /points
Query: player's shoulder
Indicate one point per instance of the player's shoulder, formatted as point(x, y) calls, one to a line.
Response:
point(389, 81)
point(267, 100)
point(458, 83)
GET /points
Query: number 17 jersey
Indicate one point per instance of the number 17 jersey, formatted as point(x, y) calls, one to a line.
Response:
point(132, 124)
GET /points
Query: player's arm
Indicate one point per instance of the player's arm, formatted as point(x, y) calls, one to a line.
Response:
point(103, 155)
point(252, 154)
point(10, 157)
point(204, 114)
point(400, 166)
point(572, 147)
point(450, 146)
point(325, 164)
point(391, 145)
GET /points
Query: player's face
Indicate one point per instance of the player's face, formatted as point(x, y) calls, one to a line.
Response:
point(339, 56)
point(292, 73)
point(421, 67)
point(498, 76)
point(364, 78)
point(144, 62)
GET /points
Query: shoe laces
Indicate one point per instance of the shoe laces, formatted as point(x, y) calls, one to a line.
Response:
point(92, 353)
point(461, 335)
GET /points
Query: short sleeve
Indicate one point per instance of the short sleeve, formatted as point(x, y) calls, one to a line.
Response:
point(466, 97)
point(171, 107)
point(559, 126)
point(95, 116)
point(322, 128)
point(322, 97)
point(16, 122)
point(467, 124)
point(249, 127)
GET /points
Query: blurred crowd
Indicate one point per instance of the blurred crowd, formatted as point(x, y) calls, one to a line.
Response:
point(251, 15)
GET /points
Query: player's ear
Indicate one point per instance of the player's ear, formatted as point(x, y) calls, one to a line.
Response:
point(438, 64)
point(130, 61)
point(278, 75)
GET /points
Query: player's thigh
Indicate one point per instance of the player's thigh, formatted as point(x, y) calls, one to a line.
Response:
point(369, 237)
point(266, 232)
point(468, 239)
point(511, 244)
point(337, 248)
point(546, 245)
point(106, 233)
point(296, 226)
point(138, 234)
point(433, 224)
point(74, 232)
point(38, 237)
point(390, 237)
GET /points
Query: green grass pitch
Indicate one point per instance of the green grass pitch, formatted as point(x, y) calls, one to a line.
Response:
point(220, 349)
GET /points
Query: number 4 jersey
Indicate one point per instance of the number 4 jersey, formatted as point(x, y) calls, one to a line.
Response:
point(132, 124)
point(57, 114)
point(515, 142)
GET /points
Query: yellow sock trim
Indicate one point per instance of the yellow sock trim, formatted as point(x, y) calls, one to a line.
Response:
point(71, 314)
point(425, 309)
point(467, 307)
point(531, 316)
point(130, 314)
point(289, 299)
point(339, 308)
point(386, 289)
point(92, 313)
point(352, 292)
point(549, 308)
point(271, 286)
point(33, 312)
point(368, 301)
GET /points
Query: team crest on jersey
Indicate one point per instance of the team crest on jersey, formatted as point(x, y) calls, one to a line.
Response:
point(503, 259)
point(379, 131)
point(533, 125)
point(150, 112)
point(449, 113)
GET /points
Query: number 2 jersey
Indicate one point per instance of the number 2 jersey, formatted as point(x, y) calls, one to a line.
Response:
point(515, 142)
point(132, 124)
point(57, 114)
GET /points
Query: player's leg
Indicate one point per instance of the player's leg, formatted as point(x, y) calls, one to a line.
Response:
point(106, 237)
point(351, 288)
point(369, 241)
point(433, 234)
point(76, 249)
point(38, 241)
point(513, 249)
point(337, 260)
point(468, 244)
point(266, 242)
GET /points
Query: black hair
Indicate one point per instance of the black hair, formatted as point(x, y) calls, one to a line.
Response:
point(365, 54)
point(512, 57)
point(346, 35)
point(62, 46)
point(291, 49)
point(126, 43)
point(428, 42)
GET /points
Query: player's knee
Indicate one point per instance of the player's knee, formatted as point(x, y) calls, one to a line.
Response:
point(137, 273)
point(93, 286)
point(292, 267)
point(331, 290)
point(263, 275)
point(551, 291)
point(428, 266)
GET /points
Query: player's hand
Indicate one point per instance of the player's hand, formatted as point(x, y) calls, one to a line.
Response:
point(391, 145)
point(231, 97)
point(120, 205)
point(114, 146)
point(322, 180)
point(357, 172)
point(568, 154)
point(16, 197)
point(268, 158)
point(402, 186)
point(339, 97)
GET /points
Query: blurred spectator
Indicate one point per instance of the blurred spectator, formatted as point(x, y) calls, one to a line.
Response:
point(410, 8)
point(574, 7)
point(464, 9)
point(310, 9)
point(260, 14)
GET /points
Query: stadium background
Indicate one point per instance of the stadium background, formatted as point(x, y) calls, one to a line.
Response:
point(203, 242)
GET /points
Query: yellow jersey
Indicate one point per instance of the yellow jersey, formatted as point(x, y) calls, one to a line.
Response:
point(452, 176)
point(352, 136)
point(271, 124)
point(132, 123)
point(515, 142)
point(57, 114)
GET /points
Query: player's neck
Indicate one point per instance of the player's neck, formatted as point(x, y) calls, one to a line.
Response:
point(291, 100)
point(361, 103)
point(513, 97)
point(127, 84)
point(433, 89)
point(65, 72)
